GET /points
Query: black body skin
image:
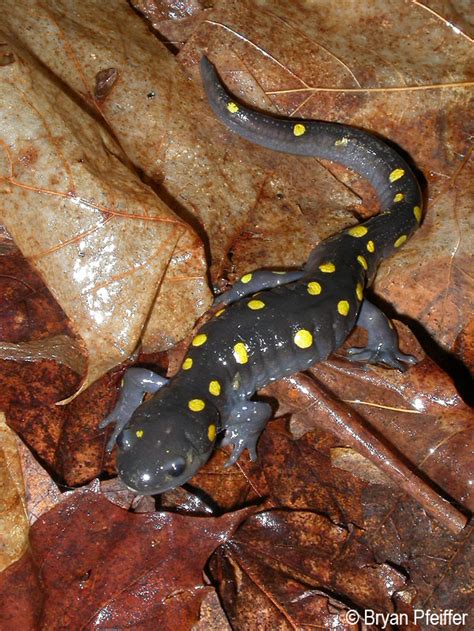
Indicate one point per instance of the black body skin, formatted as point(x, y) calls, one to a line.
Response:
point(296, 320)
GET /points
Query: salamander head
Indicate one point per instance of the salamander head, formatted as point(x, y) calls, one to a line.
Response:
point(161, 449)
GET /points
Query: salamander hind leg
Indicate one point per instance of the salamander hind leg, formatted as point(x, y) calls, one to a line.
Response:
point(256, 281)
point(244, 426)
point(382, 344)
point(135, 383)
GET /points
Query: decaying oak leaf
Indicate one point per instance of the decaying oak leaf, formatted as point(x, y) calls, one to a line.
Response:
point(28, 395)
point(104, 243)
point(419, 413)
point(286, 570)
point(118, 569)
point(212, 616)
point(13, 518)
point(60, 348)
point(33, 327)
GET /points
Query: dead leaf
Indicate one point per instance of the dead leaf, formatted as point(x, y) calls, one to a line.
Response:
point(13, 520)
point(157, 561)
point(350, 460)
point(419, 413)
point(283, 569)
point(105, 244)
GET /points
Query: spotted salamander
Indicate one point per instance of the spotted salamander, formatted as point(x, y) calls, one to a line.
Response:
point(270, 323)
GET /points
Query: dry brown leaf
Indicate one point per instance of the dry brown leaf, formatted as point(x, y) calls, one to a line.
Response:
point(108, 248)
point(13, 519)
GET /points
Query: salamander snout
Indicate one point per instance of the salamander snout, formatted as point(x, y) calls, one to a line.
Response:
point(156, 454)
point(162, 472)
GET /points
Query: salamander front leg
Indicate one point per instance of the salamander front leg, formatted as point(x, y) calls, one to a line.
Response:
point(382, 344)
point(135, 383)
point(256, 281)
point(244, 426)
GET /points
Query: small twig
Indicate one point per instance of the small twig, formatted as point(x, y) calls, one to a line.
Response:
point(303, 393)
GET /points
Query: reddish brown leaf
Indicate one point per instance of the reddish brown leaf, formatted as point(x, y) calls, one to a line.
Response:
point(28, 394)
point(21, 595)
point(28, 310)
point(419, 413)
point(290, 564)
point(101, 566)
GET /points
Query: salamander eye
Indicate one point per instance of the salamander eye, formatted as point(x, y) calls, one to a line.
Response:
point(176, 468)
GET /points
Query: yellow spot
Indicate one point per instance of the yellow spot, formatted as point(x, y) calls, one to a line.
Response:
point(215, 388)
point(370, 246)
point(342, 141)
point(396, 175)
point(359, 291)
point(357, 231)
point(188, 363)
point(417, 213)
point(303, 338)
point(400, 241)
point(314, 288)
point(343, 307)
point(327, 268)
point(232, 107)
point(241, 353)
point(211, 432)
point(199, 340)
point(246, 278)
point(219, 313)
point(399, 197)
point(299, 129)
point(363, 262)
point(139, 433)
point(255, 305)
point(196, 405)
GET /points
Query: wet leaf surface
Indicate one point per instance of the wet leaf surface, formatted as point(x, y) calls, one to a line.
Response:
point(157, 561)
point(125, 198)
point(317, 558)
point(100, 237)
point(13, 520)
